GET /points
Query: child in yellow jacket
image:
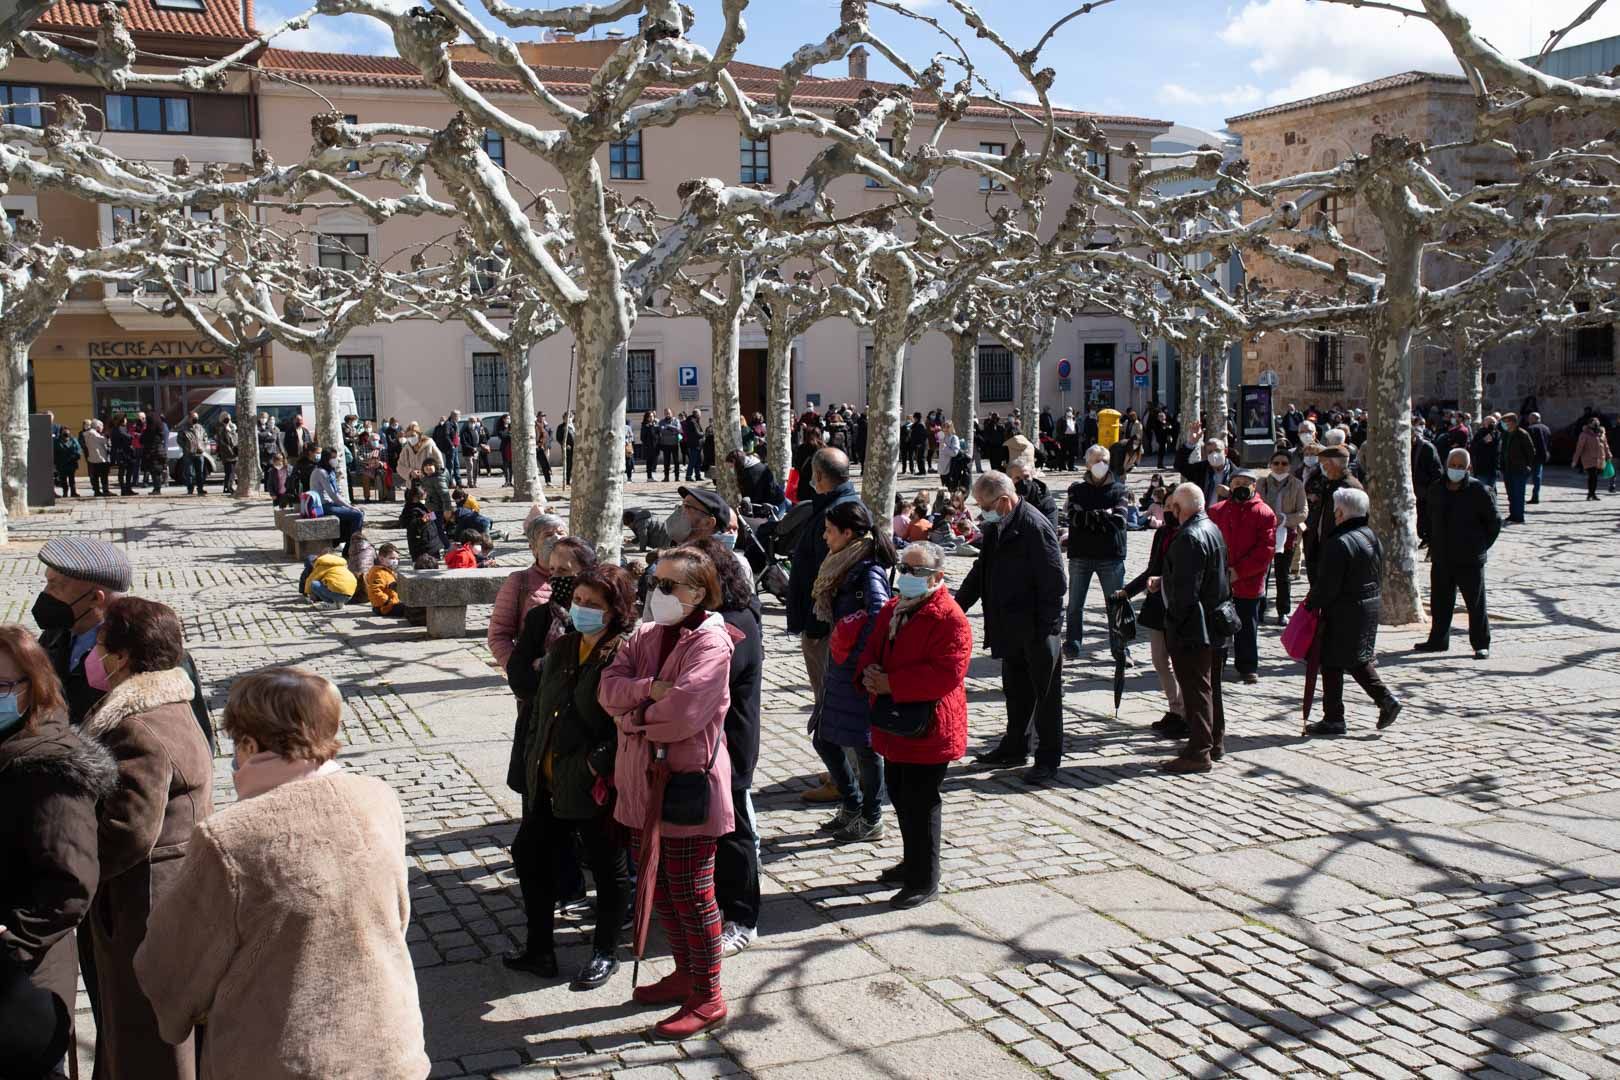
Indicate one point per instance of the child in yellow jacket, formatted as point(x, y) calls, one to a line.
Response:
point(328, 579)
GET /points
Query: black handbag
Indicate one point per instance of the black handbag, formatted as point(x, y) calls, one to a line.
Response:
point(909, 719)
point(1225, 619)
point(686, 795)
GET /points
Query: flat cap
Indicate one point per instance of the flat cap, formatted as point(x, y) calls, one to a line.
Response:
point(1246, 474)
point(710, 500)
point(95, 562)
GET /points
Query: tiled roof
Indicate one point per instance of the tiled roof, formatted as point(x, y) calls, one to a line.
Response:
point(754, 80)
point(1388, 82)
point(219, 19)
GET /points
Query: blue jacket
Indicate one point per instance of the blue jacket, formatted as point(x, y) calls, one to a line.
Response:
point(807, 558)
point(844, 706)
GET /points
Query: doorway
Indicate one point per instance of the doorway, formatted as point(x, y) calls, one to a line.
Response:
point(1099, 372)
point(752, 382)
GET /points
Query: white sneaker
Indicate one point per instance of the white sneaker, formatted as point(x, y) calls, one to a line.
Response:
point(734, 938)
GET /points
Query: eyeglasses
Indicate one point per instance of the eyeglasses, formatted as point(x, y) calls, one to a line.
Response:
point(8, 685)
point(666, 586)
point(916, 571)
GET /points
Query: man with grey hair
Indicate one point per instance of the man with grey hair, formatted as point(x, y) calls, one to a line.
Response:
point(1210, 469)
point(1095, 540)
point(1019, 575)
point(1198, 622)
point(1462, 525)
point(1346, 596)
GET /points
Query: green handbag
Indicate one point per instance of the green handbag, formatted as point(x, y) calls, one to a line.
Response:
point(1608, 470)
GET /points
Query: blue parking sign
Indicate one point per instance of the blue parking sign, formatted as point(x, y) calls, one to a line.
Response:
point(688, 376)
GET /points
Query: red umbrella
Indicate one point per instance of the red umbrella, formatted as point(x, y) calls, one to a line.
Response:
point(652, 830)
point(1313, 663)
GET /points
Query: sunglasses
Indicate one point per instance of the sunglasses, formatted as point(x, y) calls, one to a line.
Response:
point(666, 586)
point(916, 571)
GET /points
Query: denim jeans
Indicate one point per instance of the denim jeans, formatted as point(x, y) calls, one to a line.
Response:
point(452, 462)
point(1246, 646)
point(1535, 477)
point(861, 787)
point(1110, 576)
point(1516, 479)
point(321, 592)
point(694, 462)
point(191, 470)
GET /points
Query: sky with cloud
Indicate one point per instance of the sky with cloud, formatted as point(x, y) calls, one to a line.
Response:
point(1191, 61)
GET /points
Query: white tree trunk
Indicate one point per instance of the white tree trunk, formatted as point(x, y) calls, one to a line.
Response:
point(14, 427)
point(526, 485)
point(247, 425)
point(1471, 383)
point(1029, 385)
point(779, 400)
point(1387, 456)
point(880, 469)
point(965, 386)
point(328, 421)
point(1191, 365)
point(723, 338)
point(1220, 391)
point(596, 498)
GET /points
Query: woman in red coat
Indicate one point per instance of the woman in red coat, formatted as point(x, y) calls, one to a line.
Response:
point(919, 645)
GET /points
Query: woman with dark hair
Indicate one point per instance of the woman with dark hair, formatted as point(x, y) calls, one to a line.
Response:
point(649, 441)
point(802, 453)
point(291, 899)
point(323, 482)
point(850, 589)
point(547, 621)
point(165, 787)
point(668, 690)
point(736, 858)
point(572, 743)
point(50, 782)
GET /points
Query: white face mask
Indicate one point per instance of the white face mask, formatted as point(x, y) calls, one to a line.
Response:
point(1457, 476)
point(411, 439)
point(1099, 469)
point(1217, 460)
point(1280, 471)
point(666, 609)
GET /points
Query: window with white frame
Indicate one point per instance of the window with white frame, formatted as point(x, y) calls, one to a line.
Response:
point(359, 373)
point(625, 160)
point(998, 149)
point(995, 373)
point(1097, 163)
point(641, 367)
point(202, 276)
point(489, 382)
point(888, 148)
point(148, 113)
point(20, 105)
point(179, 5)
point(755, 160)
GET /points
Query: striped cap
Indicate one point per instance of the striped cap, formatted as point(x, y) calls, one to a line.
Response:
point(93, 561)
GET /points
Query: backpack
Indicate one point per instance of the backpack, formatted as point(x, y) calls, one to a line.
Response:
point(310, 505)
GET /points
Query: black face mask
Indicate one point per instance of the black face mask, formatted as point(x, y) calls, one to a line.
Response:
point(1242, 494)
point(1022, 487)
point(53, 614)
point(562, 589)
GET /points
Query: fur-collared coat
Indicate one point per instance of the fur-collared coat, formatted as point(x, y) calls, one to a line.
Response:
point(165, 787)
point(50, 782)
point(286, 931)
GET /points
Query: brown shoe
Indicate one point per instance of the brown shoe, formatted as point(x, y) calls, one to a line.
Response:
point(1183, 765)
point(826, 793)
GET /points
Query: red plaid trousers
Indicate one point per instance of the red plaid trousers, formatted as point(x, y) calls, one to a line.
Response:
point(684, 900)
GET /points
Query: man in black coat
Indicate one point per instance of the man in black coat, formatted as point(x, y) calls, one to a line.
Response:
point(1426, 469)
point(1463, 524)
point(829, 476)
point(1095, 541)
point(1019, 575)
point(1197, 597)
point(1212, 472)
point(1346, 595)
point(1332, 473)
point(1541, 434)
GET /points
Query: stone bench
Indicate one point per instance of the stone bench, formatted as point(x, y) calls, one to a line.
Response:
point(445, 595)
point(303, 537)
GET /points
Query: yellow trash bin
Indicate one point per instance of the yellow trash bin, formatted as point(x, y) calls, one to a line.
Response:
point(1108, 427)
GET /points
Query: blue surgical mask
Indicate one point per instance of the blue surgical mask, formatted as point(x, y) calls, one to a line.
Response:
point(587, 620)
point(10, 718)
point(727, 540)
point(1456, 476)
point(910, 587)
point(990, 517)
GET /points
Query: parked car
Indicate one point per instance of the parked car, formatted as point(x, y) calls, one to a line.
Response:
point(282, 403)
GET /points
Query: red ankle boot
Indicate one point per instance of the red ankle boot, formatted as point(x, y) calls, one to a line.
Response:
point(693, 1018)
point(676, 986)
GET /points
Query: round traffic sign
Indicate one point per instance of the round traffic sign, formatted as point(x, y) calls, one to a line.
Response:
point(1139, 366)
point(1064, 368)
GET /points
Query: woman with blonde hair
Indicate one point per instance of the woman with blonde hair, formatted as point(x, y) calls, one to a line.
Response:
point(285, 928)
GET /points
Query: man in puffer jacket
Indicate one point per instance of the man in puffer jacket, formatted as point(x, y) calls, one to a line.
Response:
point(1250, 529)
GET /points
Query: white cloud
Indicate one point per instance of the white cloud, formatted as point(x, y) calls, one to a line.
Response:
point(340, 34)
point(1296, 43)
point(1234, 97)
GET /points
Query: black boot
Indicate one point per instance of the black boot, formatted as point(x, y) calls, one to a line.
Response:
point(540, 962)
point(597, 970)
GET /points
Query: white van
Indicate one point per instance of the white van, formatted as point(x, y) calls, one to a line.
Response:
point(282, 403)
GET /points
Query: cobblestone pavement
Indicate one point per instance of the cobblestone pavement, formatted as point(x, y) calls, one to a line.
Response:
point(1439, 900)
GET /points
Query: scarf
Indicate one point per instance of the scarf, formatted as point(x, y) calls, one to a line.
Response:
point(268, 770)
point(833, 569)
point(905, 608)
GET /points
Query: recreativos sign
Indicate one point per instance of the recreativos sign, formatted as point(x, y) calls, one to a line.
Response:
point(164, 350)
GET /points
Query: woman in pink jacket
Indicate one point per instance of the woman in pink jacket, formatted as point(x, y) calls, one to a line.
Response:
point(668, 690)
point(1592, 452)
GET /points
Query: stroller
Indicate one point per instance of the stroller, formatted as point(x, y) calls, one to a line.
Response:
point(764, 536)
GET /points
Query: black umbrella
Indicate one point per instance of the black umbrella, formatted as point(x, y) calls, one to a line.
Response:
point(1122, 629)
